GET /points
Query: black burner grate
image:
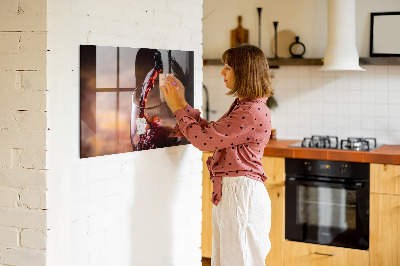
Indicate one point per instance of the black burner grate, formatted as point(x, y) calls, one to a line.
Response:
point(358, 144)
point(327, 142)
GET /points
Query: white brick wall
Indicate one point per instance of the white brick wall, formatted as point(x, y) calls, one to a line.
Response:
point(11, 256)
point(33, 198)
point(8, 197)
point(23, 178)
point(34, 239)
point(22, 132)
point(9, 237)
point(138, 208)
point(23, 218)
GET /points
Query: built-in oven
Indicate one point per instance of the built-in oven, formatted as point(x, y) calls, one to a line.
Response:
point(327, 202)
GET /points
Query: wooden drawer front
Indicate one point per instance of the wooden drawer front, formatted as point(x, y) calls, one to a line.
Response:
point(304, 254)
point(274, 168)
point(385, 178)
point(384, 237)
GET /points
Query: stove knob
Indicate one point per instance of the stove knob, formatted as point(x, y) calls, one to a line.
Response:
point(308, 166)
point(343, 168)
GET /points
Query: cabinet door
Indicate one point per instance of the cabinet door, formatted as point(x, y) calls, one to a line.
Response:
point(206, 232)
point(304, 254)
point(277, 233)
point(385, 178)
point(274, 168)
point(384, 230)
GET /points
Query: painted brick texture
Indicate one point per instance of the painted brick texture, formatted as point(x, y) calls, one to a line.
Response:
point(138, 208)
point(9, 237)
point(23, 132)
point(33, 239)
point(105, 196)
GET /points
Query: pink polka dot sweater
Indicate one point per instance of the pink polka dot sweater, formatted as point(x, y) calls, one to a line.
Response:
point(238, 139)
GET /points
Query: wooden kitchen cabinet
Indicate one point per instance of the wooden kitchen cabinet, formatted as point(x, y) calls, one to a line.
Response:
point(385, 215)
point(384, 236)
point(206, 225)
point(385, 178)
point(277, 233)
point(274, 168)
point(305, 254)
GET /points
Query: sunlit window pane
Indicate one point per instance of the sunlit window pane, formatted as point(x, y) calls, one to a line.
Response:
point(124, 118)
point(127, 67)
point(106, 67)
point(106, 123)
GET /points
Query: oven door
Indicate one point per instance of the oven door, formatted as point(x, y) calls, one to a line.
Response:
point(327, 213)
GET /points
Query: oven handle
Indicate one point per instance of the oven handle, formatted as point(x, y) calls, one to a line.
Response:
point(357, 185)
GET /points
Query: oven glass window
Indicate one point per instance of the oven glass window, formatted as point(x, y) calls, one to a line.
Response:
point(327, 207)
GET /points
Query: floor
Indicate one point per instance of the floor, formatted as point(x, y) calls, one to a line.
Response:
point(206, 261)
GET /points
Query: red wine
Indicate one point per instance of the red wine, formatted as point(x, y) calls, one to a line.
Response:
point(156, 135)
point(147, 87)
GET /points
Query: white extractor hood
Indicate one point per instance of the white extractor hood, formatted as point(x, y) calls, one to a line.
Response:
point(341, 51)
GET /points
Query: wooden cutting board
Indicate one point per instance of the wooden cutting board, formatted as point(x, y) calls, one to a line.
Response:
point(239, 35)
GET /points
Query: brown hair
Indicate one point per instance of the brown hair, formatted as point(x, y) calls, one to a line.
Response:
point(250, 66)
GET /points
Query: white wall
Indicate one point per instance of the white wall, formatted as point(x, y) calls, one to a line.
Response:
point(311, 102)
point(305, 18)
point(139, 208)
point(23, 133)
point(344, 103)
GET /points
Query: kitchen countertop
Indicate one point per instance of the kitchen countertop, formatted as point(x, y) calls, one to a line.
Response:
point(389, 154)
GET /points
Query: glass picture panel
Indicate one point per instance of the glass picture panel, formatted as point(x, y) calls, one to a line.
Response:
point(122, 108)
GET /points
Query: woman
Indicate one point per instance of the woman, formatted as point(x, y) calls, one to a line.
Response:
point(242, 208)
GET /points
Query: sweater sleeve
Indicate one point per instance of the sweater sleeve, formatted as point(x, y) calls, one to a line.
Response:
point(193, 113)
point(229, 131)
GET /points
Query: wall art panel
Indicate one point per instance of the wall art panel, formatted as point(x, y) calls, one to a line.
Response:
point(122, 108)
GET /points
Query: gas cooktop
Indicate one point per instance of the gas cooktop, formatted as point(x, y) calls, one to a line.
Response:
point(332, 142)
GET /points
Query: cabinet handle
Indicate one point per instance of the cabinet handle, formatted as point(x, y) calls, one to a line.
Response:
point(324, 254)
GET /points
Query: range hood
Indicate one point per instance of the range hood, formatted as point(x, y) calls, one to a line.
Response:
point(341, 51)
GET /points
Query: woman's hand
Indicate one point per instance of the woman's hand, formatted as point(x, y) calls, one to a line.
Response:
point(174, 93)
point(181, 91)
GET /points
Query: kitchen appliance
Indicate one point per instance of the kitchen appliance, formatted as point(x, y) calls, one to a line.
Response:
point(332, 142)
point(341, 51)
point(327, 202)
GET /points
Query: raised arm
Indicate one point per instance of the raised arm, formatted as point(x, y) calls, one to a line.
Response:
point(229, 131)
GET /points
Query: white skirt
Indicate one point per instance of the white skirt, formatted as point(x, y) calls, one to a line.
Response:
point(241, 223)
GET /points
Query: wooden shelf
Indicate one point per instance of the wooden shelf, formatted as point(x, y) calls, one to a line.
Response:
point(274, 63)
point(380, 61)
point(212, 62)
